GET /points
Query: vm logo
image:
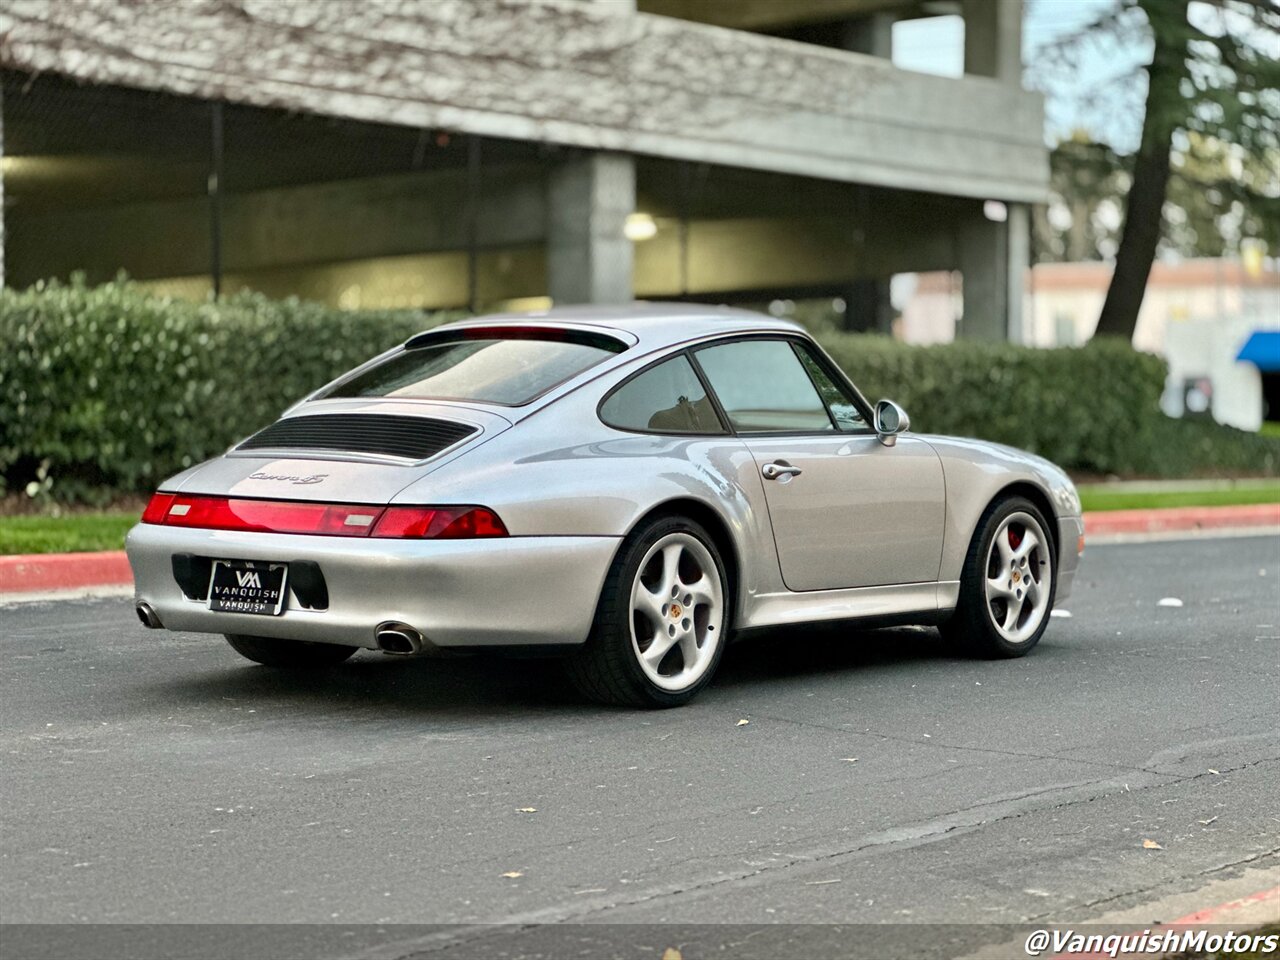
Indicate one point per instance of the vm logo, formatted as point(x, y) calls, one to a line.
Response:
point(248, 578)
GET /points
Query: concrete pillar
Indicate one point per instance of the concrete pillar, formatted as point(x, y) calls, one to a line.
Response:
point(993, 39)
point(871, 34)
point(994, 258)
point(868, 308)
point(589, 258)
point(1019, 329)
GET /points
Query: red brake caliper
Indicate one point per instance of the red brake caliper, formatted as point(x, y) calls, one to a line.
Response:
point(1015, 538)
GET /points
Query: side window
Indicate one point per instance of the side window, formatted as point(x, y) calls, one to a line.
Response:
point(764, 388)
point(847, 415)
point(668, 398)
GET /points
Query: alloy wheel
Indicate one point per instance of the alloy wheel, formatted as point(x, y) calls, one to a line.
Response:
point(1019, 576)
point(677, 612)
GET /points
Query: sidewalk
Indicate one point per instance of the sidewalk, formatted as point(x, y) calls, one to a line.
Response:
point(45, 572)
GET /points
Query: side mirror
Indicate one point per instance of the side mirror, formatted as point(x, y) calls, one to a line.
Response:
point(891, 420)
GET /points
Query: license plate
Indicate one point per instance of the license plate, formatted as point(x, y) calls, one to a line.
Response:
point(243, 586)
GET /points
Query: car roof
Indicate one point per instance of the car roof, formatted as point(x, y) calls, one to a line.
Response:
point(651, 325)
point(646, 328)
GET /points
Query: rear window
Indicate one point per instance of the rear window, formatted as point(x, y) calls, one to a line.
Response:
point(488, 366)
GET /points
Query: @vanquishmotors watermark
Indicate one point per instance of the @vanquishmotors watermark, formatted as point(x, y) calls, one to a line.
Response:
point(1067, 942)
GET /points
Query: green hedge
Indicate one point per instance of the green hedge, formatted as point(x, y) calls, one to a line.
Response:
point(112, 389)
point(109, 389)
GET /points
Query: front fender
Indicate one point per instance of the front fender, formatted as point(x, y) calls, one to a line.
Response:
point(976, 471)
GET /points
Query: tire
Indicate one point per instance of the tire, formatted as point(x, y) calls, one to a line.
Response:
point(288, 653)
point(1005, 601)
point(666, 596)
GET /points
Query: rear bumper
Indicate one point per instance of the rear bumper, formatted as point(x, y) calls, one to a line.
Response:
point(458, 593)
point(1070, 530)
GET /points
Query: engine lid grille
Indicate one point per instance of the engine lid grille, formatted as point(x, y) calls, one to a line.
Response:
point(412, 438)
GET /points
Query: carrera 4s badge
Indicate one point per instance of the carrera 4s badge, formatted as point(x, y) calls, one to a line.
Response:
point(313, 478)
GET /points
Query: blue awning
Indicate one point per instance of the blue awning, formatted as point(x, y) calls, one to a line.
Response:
point(1262, 349)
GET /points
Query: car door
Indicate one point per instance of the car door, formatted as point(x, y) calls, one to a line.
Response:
point(846, 510)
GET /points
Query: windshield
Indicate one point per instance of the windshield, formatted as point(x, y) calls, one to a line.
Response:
point(489, 368)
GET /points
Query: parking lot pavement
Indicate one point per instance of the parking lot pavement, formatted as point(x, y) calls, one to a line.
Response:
point(156, 778)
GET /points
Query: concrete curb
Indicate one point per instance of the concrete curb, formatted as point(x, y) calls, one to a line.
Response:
point(37, 572)
point(1107, 522)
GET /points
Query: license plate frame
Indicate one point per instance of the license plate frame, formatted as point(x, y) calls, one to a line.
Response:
point(253, 587)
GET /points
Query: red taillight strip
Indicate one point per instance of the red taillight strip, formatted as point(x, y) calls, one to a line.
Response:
point(271, 516)
point(323, 519)
point(157, 508)
point(440, 523)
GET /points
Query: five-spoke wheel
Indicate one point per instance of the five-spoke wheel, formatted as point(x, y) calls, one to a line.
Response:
point(661, 623)
point(677, 610)
point(1019, 577)
point(1006, 588)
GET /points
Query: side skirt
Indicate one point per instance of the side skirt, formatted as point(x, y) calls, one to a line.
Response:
point(924, 603)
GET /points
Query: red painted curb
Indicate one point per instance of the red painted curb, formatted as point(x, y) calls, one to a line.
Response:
point(34, 572)
point(1219, 915)
point(1181, 518)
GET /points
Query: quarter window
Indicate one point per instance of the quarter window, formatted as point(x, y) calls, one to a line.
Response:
point(668, 398)
point(763, 387)
point(846, 413)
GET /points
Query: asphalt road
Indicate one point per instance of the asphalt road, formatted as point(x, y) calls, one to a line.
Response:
point(152, 778)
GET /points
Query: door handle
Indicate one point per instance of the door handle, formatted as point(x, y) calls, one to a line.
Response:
point(779, 469)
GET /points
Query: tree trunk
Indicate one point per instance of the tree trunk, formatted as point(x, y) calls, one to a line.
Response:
point(1144, 213)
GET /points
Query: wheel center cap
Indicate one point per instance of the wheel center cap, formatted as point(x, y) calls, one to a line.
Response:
point(676, 611)
point(1016, 576)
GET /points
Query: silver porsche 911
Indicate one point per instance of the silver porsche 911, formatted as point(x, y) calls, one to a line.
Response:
point(626, 486)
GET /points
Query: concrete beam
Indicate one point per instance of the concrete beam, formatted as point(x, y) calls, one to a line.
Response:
point(589, 258)
point(768, 14)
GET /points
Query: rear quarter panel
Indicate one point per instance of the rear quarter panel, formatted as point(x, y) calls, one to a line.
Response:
point(561, 472)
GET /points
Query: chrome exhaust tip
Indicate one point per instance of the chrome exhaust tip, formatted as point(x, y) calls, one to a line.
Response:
point(147, 615)
point(399, 639)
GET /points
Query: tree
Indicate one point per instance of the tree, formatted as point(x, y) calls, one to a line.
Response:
point(1213, 82)
point(1087, 183)
point(1145, 211)
point(1218, 196)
